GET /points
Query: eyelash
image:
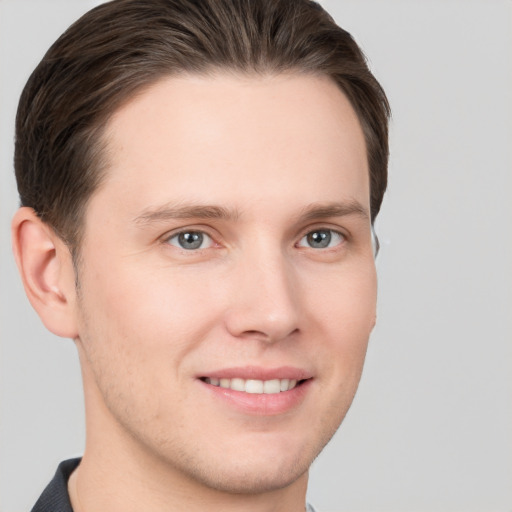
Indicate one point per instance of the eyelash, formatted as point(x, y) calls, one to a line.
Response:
point(198, 236)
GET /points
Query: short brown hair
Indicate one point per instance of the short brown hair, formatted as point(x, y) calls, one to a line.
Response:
point(120, 47)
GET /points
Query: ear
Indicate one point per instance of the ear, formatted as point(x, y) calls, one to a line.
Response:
point(46, 267)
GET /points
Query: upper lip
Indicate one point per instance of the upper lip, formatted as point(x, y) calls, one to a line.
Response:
point(259, 373)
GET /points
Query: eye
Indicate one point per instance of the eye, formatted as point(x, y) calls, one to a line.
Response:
point(190, 240)
point(321, 239)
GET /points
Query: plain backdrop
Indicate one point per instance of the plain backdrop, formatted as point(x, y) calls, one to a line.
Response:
point(431, 427)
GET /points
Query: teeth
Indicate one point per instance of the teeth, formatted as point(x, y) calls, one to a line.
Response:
point(237, 384)
point(268, 387)
point(272, 386)
point(253, 386)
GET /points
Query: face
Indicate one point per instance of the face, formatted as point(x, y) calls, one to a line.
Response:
point(227, 281)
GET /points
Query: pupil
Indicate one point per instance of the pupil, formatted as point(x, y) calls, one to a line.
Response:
point(192, 240)
point(319, 239)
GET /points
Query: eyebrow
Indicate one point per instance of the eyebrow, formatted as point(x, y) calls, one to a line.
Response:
point(342, 209)
point(189, 211)
point(186, 211)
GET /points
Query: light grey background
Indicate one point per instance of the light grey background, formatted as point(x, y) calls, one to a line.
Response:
point(431, 427)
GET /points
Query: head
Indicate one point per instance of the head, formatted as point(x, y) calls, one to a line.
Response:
point(208, 174)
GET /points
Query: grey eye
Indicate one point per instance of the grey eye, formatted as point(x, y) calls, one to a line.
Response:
point(191, 240)
point(321, 239)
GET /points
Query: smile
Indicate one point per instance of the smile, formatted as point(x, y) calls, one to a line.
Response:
point(268, 387)
point(258, 391)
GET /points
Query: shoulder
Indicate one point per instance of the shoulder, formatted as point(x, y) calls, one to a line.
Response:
point(55, 497)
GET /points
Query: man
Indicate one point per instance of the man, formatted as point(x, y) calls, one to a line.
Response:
point(199, 181)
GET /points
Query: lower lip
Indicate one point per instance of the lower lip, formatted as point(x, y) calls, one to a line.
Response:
point(261, 403)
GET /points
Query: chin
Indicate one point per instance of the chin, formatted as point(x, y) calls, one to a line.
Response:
point(253, 479)
point(256, 467)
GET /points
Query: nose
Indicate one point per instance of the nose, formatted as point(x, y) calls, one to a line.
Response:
point(264, 303)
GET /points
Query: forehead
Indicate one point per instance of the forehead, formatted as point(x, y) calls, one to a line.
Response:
point(236, 136)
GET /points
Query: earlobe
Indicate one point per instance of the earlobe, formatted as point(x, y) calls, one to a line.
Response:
point(46, 269)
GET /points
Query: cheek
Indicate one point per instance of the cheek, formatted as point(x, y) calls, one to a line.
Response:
point(344, 317)
point(345, 300)
point(131, 302)
point(144, 331)
point(137, 331)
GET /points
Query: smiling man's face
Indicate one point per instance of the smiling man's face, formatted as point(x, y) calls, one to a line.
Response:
point(227, 281)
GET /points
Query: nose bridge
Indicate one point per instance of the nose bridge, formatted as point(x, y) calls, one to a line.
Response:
point(264, 303)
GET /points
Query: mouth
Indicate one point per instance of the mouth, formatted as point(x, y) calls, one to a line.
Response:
point(257, 390)
point(255, 386)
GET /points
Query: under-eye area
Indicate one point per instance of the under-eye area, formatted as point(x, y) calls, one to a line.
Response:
point(255, 386)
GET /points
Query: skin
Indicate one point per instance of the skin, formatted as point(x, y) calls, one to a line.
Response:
point(151, 317)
